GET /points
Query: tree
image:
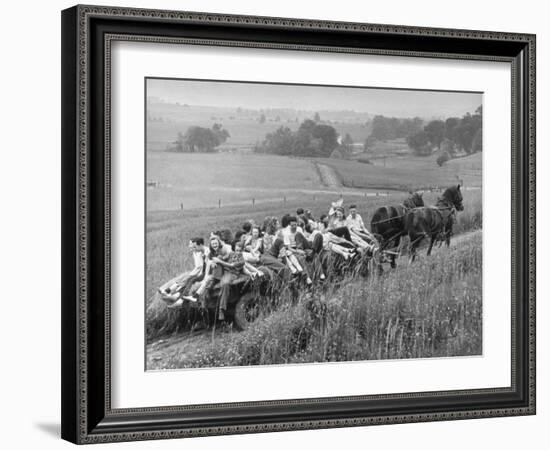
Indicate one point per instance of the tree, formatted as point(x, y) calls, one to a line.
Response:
point(347, 145)
point(447, 146)
point(420, 144)
point(466, 130)
point(221, 134)
point(310, 139)
point(280, 142)
point(262, 118)
point(201, 140)
point(381, 128)
point(442, 159)
point(328, 136)
point(369, 143)
point(435, 132)
point(317, 117)
point(477, 142)
point(406, 127)
point(450, 128)
point(386, 128)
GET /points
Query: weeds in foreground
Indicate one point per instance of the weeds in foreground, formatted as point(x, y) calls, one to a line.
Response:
point(432, 308)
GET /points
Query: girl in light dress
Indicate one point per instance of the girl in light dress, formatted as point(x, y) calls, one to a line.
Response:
point(331, 242)
point(338, 225)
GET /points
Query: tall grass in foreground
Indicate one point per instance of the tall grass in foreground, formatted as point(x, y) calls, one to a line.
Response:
point(167, 254)
point(432, 308)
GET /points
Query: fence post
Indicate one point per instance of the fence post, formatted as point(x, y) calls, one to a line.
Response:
point(181, 205)
point(219, 203)
point(253, 202)
point(284, 200)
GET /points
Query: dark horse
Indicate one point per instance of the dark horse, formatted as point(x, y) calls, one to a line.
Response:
point(433, 222)
point(388, 225)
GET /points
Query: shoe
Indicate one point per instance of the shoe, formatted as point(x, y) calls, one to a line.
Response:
point(177, 304)
point(171, 297)
point(308, 281)
point(323, 277)
point(190, 298)
point(221, 315)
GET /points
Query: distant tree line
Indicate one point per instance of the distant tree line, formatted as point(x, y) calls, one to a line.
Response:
point(453, 135)
point(201, 140)
point(388, 128)
point(311, 139)
point(449, 137)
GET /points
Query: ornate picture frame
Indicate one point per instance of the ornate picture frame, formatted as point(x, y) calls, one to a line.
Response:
point(88, 33)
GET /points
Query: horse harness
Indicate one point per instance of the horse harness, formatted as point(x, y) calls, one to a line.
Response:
point(446, 213)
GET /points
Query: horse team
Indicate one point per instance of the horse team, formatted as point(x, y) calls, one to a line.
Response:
point(417, 221)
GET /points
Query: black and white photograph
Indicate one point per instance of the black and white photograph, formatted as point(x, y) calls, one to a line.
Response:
point(294, 223)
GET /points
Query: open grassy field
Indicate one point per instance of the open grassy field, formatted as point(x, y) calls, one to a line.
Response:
point(191, 180)
point(188, 181)
point(432, 308)
point(408, 172)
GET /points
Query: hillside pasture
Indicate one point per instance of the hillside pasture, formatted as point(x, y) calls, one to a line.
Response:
point(195, 180)
point(168, 233)
point(432, 308)
point(407, 172)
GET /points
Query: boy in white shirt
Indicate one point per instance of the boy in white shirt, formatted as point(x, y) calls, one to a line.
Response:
point(359, 233)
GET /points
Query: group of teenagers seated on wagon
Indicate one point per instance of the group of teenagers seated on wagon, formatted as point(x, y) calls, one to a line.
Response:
point(286, 248)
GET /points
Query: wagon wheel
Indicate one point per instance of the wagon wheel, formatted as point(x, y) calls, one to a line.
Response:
point(247, 310)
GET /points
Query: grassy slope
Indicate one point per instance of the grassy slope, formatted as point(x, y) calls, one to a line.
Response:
point(169, 232)
point(408, 172)
point(202, 180)
point(432, 308)
point(199, 180)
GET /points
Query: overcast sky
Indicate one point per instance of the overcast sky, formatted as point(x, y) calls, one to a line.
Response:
point(388, 102)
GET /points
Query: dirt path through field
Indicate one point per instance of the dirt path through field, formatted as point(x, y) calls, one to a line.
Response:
point(328, 176)
point(160, 352)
